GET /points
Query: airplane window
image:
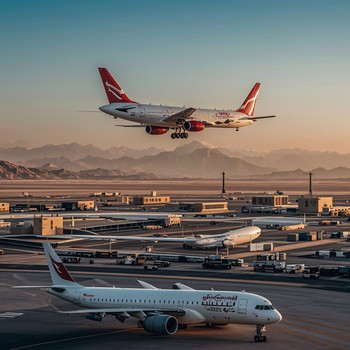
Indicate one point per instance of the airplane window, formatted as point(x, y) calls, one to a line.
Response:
point(261, 307)
point(257, 307)
point(267, 307)
point(272, 308)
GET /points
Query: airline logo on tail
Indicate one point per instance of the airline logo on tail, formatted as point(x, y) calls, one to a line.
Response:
point(113, 90)
point(249, 104)
point(118, 92)
point(61, 270)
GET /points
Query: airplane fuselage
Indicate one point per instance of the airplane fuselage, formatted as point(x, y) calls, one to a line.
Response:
point(188, 306)
point(153, 115)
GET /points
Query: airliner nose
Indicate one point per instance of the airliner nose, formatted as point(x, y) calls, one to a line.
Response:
point(277, 316)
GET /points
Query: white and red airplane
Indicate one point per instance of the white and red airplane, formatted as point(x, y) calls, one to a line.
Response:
point(158, 119)
point(160, 311)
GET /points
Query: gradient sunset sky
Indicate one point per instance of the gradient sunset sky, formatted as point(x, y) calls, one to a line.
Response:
point(196, 53)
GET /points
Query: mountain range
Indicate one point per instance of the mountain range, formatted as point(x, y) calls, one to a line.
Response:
point(194, 160)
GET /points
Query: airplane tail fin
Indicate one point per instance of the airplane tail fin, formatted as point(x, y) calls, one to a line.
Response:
point(113, 90)
point(249, 103)
point(59, 274)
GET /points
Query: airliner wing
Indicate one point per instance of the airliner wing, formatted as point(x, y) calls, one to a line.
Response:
point(127, 312)
point(136, 238)
point(180, 116)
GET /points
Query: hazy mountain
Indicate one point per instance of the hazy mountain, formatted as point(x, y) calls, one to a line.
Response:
point(319, 173)
point(191, 147)
point(72, 151)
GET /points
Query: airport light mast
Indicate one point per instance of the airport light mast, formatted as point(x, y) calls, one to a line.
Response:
point(223, 183)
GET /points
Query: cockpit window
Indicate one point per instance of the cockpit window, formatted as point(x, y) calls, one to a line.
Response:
point(264, 307)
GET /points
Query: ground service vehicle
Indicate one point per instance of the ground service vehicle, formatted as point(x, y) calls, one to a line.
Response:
point(216, 262)
point(150, 267)
point(275, 266)
point(162, 263)
point(295, 268)
point(128, 260)
point(312, 272)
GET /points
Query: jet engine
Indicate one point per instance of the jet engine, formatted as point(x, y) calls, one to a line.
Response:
point(194, 125)
point(160, 325)
point(156, 130)
point(227, 243)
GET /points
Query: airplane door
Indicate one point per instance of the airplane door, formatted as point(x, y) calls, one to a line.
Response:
point(242, 306)
point(141, 111)
point(76, 297)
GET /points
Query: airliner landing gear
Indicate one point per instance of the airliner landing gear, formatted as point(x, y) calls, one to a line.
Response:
point(180, 133)
point(237, 129)
point(259, 337)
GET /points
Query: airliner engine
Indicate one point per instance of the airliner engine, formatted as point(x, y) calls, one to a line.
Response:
point(160, 325)
point(194, 125)
point(156, 130)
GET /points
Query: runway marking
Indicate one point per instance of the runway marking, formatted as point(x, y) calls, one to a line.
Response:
point(10, 314)
point(74, 338)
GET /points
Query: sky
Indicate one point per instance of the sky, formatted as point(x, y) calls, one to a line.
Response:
point(196, 53)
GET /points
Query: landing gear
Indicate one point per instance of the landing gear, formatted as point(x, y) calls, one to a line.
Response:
point(180, 133)
point(259, 337)
point(237, 129)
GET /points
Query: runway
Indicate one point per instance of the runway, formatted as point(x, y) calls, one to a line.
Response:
point(312, 319)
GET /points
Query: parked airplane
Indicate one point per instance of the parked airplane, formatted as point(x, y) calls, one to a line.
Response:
point(157, 120)
point(276, 222)
point(227, 239)
point(161, 311)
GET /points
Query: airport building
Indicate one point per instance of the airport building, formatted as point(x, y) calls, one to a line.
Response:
point(204, 207)
point(152, 199)
point(48, 225)
point(78, 205)
point(4, 207)
point(272, 200)
point(314, 204)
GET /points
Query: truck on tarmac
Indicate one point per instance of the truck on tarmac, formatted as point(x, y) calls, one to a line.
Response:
point(129, 260)
point(267, 266)
point(216, 262)
point(312, 272)
point(295, 268)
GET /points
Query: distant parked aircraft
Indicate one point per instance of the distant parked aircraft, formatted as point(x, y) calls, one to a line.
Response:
point(158, 120)
point(227, 239)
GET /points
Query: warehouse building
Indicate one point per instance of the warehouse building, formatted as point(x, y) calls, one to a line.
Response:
point(78, 205)
point(48, 225)
point(314, 204)
point(272, 200)
point(204, 207)
point(152, 199)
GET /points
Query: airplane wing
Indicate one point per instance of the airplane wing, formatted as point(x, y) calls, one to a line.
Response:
point(135, 238)
point(127, 312)
point(180, 116)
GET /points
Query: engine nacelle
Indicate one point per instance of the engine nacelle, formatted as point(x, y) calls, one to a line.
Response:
point(227, 243)
point(160, 325)
point(156, 130)
point(94, 317)
point(194, 125)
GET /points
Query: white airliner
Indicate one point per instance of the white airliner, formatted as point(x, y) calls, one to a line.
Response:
point(161, 311)
point(157, 120)
point(227, 239)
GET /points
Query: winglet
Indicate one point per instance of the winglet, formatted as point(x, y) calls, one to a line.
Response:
point(113, 90)
point(249, 103)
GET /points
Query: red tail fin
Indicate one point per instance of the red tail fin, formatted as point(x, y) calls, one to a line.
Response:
point(113, 90)
point(249, 103)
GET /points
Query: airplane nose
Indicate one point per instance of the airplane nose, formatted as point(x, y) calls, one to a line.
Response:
point(278, 316)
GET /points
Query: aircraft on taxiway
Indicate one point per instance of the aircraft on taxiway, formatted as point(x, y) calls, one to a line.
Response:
point(159, 311)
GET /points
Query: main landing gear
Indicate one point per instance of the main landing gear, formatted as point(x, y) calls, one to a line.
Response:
point(180, 133)
point(259, 337)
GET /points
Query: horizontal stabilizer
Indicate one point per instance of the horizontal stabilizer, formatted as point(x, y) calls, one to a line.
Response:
point(263, 117)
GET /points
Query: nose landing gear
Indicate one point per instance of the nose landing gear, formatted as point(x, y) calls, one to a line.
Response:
point(259, 331)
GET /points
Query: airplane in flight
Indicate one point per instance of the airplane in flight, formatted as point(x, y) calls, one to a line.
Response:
point(158, 119)
point(223, 240)
point(160, 311)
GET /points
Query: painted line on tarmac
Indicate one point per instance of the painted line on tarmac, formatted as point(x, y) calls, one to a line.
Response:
point(73, 339)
